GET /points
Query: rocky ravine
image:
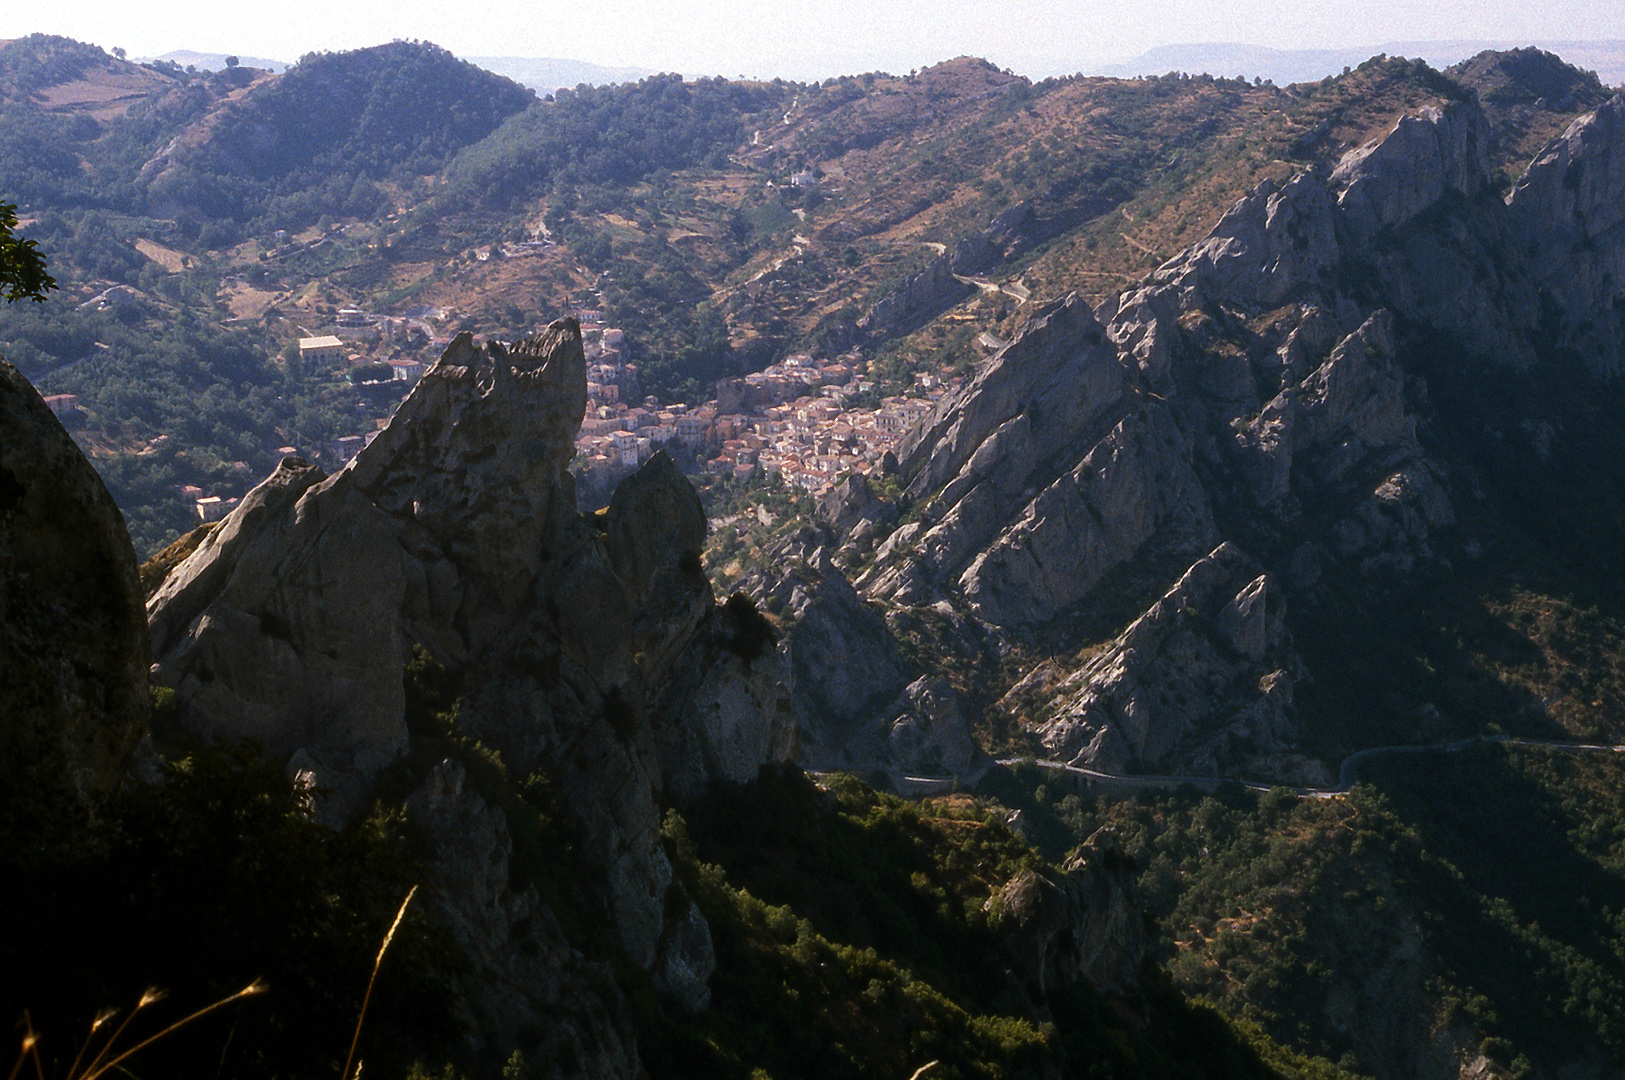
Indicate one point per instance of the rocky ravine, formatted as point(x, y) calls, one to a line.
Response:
point(456, 531)
point(1223, 450)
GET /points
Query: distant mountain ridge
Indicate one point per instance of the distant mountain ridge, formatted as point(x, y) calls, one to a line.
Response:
point(1285, 66)
point(214, 61)
point(545, 74)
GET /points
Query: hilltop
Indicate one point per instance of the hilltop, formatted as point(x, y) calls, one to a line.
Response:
point(1284, 66)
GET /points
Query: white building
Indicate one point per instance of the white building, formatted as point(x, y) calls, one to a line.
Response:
point(320, 349)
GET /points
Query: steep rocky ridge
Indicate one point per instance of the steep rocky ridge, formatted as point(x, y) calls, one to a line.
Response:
point(1569, 208)
point(1277, 425)
point(455, 533)
point(73, 681)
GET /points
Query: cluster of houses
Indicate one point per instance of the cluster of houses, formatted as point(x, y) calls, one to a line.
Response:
point(328, 350)
point(790, 421)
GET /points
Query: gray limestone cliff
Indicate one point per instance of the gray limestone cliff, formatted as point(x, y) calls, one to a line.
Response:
point(1568, 208)
point(1149, 497)
point(589, 650)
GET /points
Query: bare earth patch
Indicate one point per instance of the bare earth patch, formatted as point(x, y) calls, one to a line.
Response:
point(168, 258)
point(247, 302)
point(103, 94)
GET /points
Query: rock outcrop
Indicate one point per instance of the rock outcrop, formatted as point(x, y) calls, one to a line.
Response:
point(1568, 209)
point(1202, 681)
point(526, 967)
point(1080, 922)
point(1392, 179)
point(917, 298)
point(589, 649)
point(73, 678)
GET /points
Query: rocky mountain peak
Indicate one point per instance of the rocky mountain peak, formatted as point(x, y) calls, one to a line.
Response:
point(1392, 179)
point(455, 534)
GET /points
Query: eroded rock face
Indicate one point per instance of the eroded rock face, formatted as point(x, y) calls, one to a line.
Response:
point(1264, 392)
point(728, 707)
point(284, 627)
point(1277, 241)
point(526, 967)
point(1201, 682)
point(931, 736)
point(844, 664)
point(73, 649)
point(920, 296)
point(1394, 178)
point(1568, 209)
point(857, 702)
point(1014, 446)
point(590, 650)
point(1081, 922)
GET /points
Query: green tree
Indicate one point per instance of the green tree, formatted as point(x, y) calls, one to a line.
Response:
point(22, 267)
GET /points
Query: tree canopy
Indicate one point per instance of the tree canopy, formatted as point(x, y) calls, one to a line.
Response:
point(22, 267)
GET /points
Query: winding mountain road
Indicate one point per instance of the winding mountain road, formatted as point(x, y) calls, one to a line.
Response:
point(1348, 774)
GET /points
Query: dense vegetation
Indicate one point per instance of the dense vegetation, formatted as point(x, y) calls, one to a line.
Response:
point(1468, 898)
point(323, 134)
point(44, 61)
point(199, 886)
point(852, 940)
point(170, 399)
point(608, 135)
point(851, 928)
point(22, 268)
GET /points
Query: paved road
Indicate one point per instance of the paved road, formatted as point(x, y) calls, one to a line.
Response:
point(1348, 774)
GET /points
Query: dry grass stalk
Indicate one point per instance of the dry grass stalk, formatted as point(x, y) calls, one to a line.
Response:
point(366, 1000)
point(103, 1063)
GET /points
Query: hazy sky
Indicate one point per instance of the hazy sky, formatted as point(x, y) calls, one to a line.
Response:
point(802, 38)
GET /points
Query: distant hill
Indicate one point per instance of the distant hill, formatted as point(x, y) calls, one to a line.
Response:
point(60, 75)
point(206, 61)
point(1284, 66)
point(546, 74)
point(402, 110)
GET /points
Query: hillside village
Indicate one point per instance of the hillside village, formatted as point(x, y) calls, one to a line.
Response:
point(804, 421)
point(799, 421)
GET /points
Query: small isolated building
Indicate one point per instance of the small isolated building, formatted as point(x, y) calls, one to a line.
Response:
point(406, 370)
point(62, 404)
point(213, 508)
point(324, 349)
